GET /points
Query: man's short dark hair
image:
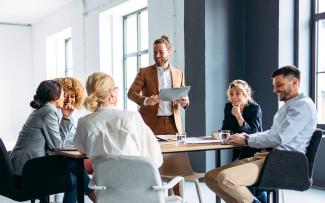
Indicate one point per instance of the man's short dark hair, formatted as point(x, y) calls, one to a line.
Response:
point(287, 70)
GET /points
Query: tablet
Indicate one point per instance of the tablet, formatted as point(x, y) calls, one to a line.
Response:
point(171, 94)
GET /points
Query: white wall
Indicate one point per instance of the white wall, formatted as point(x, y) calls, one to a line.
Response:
point(23, 51)
point(16, 82)
point(164, 17)
point(69, 16)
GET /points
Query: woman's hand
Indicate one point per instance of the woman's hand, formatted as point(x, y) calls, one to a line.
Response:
point(67, 110)
point(235, 111)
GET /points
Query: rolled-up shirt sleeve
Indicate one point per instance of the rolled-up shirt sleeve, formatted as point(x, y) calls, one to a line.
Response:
point(287, 125)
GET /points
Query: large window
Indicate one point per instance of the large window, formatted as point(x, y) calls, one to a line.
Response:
point(68, 57)
point(59, 54)
point(123, 36)
point(135, 49)
point(319, 57)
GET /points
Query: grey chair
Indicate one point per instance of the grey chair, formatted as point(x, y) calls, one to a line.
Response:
point(289, 170)
point(127, 179)
point(41, 177)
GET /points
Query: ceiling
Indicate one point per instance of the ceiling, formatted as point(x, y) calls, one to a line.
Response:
point(28, 11)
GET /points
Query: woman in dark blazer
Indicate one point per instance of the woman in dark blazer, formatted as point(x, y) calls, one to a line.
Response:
point(40, 134)
point(241, 114)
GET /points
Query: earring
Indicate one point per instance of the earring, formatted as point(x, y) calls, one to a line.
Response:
point(113, 100)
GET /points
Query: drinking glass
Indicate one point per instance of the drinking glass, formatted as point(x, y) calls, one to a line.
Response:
point(180, 138)
point(223, 135)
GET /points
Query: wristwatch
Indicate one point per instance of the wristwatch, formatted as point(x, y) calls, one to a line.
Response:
point(246, 139)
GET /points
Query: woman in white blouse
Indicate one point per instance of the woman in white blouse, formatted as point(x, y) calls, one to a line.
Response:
point(110, 131)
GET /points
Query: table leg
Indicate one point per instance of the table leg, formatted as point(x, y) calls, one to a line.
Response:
point(218, 164)
point(80, 181)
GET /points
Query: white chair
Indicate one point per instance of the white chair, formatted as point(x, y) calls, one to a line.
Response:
point(126, 179)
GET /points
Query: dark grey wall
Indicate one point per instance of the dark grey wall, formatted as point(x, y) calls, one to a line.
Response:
point(195, 65)
point(261, 53)
point(226, 40)
point(195, 73)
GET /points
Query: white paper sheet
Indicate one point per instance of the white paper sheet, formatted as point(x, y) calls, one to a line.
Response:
point(200, 140)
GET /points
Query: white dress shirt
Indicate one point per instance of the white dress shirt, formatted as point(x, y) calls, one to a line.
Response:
point(110, 131)
point(293, 126)
point(165, 81)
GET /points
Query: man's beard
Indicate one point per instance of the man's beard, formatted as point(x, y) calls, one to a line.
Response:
point(161, 62)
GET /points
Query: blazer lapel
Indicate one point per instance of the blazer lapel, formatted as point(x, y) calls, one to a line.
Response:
point(155, 76)
point(174, 76)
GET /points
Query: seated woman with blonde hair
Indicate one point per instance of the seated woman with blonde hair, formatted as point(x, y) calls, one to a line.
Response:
point(110, 131)
point(242, 114)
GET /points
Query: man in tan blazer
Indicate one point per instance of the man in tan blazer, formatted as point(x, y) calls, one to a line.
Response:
point(162, 117)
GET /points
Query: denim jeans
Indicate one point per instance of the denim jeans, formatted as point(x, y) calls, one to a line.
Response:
point(71, 197)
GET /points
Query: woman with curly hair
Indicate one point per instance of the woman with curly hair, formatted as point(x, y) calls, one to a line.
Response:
point(74, 94)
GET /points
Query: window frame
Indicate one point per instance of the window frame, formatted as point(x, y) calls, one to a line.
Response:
point(138, 53)
point(315, 18)
point(67, 69)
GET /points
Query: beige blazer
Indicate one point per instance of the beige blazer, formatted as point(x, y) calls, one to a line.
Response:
point(145, 85)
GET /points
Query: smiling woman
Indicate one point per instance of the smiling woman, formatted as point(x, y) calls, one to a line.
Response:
point(73, 91)
point(73, 98)
point(241, 113)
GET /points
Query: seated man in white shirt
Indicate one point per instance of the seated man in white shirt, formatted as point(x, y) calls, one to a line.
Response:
point(293, 126)
point(110, 131)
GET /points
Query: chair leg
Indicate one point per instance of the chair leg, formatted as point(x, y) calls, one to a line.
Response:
point(268, 195)
point(44, 200)
point(199, 195)
point(275, 196)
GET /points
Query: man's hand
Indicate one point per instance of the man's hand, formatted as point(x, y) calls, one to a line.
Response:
point(237, 139)
point(152, 100)
point(67, 110)
point(183, 102)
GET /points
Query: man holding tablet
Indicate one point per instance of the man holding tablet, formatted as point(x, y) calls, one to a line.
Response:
point(163, 117)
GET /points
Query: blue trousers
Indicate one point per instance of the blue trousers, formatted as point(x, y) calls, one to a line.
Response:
point(71, 197)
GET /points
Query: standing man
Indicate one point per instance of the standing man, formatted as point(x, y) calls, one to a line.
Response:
point(292, 129)
point(163, 117)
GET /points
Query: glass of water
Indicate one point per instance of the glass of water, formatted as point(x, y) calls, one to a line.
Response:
point(223, 135)
point(180, 138)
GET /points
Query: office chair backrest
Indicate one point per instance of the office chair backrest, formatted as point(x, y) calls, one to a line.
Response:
point(127, 179)
point(6, 172)
point(312, 149)
point(176, 164)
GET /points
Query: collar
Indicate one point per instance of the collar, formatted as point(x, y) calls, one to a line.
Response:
point(159, 68)
point(299, 96)
point(102, 108)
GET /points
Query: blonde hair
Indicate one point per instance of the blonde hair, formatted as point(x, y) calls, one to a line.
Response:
point(243, 87)
point(164, 39)
point(70, 83)
point(97, 86)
